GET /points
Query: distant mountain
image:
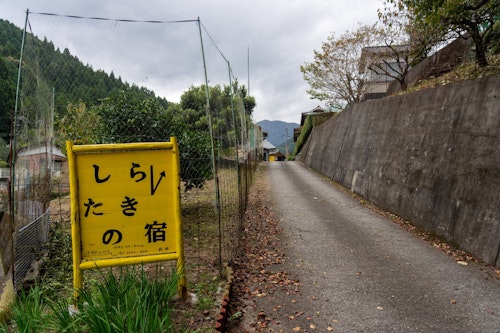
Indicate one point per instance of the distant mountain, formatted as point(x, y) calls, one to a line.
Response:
point(277, 132)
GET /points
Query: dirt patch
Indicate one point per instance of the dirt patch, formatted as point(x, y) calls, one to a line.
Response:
point(60, 208)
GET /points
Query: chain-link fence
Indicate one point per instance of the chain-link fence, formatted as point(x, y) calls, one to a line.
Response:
point(95, 80)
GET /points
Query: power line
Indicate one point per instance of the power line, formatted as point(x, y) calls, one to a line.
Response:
point(111, 19)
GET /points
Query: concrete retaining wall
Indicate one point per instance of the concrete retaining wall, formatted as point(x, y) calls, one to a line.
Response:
point(432, 157)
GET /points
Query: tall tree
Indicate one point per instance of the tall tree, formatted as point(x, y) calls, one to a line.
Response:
point(475, 17)
point(334, 74)
point(128, 117)
point(7, 99)
point(404, 42)
point(79, 124)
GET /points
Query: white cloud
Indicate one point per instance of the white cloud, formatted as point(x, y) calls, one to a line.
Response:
point(281, 35)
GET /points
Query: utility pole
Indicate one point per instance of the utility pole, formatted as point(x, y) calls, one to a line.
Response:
point(286, 143)
point(248, 70)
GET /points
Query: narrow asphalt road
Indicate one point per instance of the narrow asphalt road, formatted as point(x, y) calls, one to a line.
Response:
point(360, 272)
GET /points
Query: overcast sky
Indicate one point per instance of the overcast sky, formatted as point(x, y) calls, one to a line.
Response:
point(269, 39)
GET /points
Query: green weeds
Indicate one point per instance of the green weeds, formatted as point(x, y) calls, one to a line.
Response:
point(124, 301)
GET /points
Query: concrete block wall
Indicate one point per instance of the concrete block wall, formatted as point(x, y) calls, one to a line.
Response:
point(432, 157)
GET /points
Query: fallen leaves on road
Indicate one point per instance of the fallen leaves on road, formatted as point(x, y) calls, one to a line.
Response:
point(254, 275)
point(262, 289)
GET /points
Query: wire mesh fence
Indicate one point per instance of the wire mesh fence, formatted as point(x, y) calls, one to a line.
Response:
point(95, 80)
point(30, 241)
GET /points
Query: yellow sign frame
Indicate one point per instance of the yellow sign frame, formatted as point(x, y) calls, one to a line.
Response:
point(124, 241)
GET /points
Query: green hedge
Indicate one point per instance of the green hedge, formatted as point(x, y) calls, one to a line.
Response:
point(304, 134)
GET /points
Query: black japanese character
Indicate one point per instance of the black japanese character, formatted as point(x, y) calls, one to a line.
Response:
point(133, 173)
point(128, 205)
point(156, 231)
point(108, 236)
point(96, 175)
point(92, 204)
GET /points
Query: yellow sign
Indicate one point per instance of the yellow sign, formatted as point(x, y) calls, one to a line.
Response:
point(125, 204)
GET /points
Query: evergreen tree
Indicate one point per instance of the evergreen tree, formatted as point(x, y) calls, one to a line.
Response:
point(7, 100)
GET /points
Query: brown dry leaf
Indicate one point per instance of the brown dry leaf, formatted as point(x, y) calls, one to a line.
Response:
point(296, 329)
point(329, 328)
point(453, 301)
point(312, 326)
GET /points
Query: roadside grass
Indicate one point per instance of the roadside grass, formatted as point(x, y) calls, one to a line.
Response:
point(44, 307)
point(124, 301)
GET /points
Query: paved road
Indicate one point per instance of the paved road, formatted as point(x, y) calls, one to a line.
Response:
point(360, 272)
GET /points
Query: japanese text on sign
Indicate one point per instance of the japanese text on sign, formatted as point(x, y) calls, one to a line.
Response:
point(125, 206)
point(127, 203)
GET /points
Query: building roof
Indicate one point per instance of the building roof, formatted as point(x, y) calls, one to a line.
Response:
point(316, 110)
point(267, 145)
point(35, 150)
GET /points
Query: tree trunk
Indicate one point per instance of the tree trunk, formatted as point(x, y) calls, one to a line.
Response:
point(481, 55)
point(480, 52)
point(402, 84)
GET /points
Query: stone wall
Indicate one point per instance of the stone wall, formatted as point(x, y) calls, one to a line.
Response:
point(432, 157)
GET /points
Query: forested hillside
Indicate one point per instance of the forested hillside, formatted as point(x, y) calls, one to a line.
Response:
point(92, 106)
point(10, 44)
point(59, 69)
